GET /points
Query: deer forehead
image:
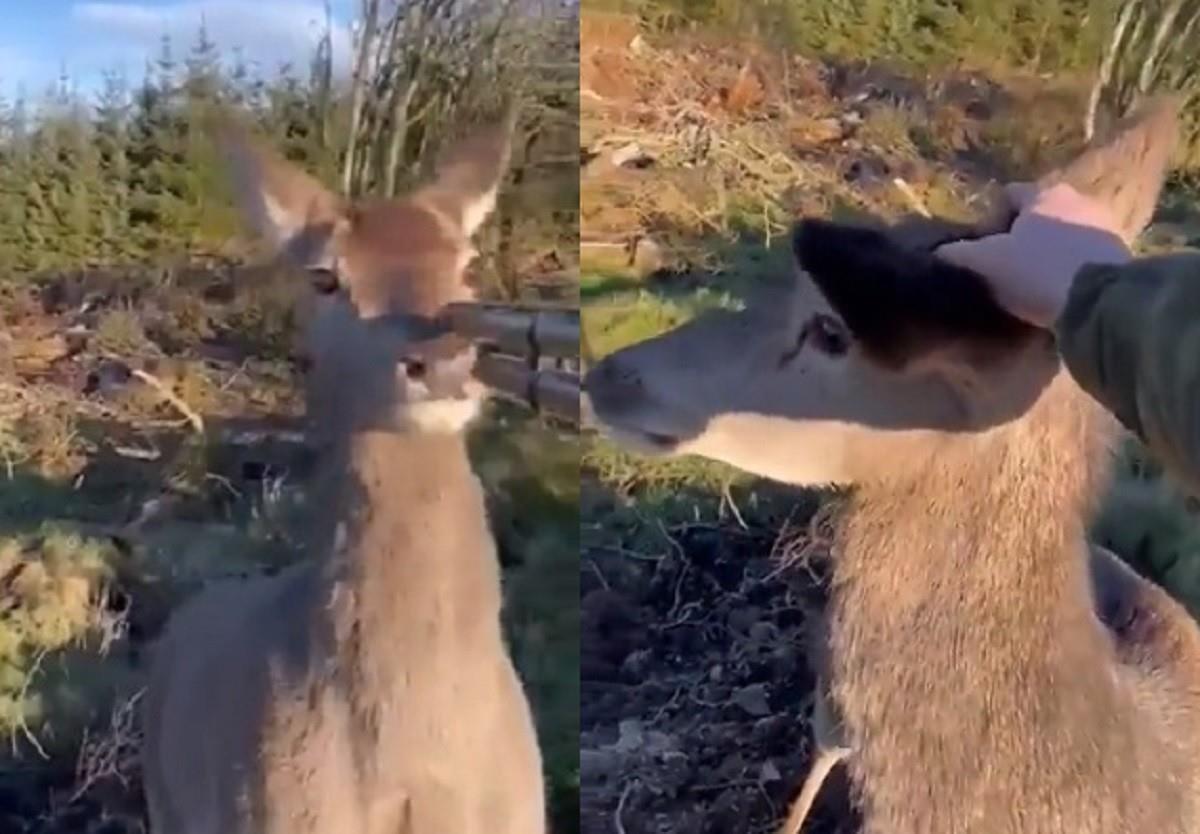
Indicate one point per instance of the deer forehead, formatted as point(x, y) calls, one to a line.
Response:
point(403, 256)
point(399, 231)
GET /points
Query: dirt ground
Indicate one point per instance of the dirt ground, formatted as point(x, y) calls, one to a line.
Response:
point(696, 693)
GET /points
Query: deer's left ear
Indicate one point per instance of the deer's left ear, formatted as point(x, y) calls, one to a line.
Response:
point(469, 175)
point(285, 205)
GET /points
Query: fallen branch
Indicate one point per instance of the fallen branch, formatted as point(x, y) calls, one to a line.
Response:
point(170, 396)
point(915, 202)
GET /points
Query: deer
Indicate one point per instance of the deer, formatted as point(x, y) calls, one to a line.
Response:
point(368, 688)
point(983, 668)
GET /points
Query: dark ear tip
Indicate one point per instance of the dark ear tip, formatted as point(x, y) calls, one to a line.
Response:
point(824, 245)
point(807, 237)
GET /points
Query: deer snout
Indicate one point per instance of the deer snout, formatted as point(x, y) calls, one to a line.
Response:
point(634, 408)
point(615, 393)
point(613, 379)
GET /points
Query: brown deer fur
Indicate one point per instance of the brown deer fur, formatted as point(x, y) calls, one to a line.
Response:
point(975, 682)
point(368, 690)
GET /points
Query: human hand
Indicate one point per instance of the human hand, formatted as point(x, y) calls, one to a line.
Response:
point(1031, 267)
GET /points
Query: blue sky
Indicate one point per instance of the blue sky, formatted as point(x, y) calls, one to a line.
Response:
point(39, 37)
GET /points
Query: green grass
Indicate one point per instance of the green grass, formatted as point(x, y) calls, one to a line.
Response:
point(1152, 523)
point(56, 586)
point(619, 311)
point(639, 315)
point(531, 472)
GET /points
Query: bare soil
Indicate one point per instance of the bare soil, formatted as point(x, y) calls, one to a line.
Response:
point(696, 691)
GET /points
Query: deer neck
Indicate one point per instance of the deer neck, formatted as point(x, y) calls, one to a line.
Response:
point(967, 662)
point(412, 568)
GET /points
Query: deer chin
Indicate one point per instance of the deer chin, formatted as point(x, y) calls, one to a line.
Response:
point(641, 425)
point(650, 444)
point(440, 416)
point(809, 454)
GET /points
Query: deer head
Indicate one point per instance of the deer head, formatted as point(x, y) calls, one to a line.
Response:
point(877, 348)
point(382, 272)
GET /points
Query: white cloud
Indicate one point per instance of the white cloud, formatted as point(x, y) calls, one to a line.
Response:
point(269, 32)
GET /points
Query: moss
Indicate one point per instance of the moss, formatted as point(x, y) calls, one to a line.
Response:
point(55, 592)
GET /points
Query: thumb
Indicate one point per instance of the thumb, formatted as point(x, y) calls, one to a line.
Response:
point(994, 258)
point(1022, 194)
point(987, 255)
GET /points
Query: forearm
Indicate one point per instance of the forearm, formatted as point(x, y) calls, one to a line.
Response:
point(1130, 335)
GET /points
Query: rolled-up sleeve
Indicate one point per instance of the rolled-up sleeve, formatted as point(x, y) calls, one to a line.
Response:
point(1130, 335)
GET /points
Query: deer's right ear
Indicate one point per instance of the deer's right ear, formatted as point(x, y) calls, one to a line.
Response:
point(469, 175)
point(285, 205)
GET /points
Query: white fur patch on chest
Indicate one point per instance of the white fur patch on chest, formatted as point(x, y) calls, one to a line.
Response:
point(477, 211)
point(448, 416)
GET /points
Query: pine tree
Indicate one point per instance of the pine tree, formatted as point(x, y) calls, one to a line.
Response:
point(112, 115)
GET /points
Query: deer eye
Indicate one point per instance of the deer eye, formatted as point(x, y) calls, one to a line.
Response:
point(825, 333)
point(828, 335)
point(415, 369)
point(324, 280)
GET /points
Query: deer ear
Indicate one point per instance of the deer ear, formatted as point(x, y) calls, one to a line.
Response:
point(901, 304)
point(469, 175)
point(1126, 170)
point(285, 205)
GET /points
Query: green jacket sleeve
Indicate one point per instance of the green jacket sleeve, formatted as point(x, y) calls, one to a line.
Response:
point(1130, 335)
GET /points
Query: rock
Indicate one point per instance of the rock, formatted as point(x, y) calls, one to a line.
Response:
point(625, 153)
point(631, 736)
point(753, 699)
point(109, 376)
point(742, 619)
point(648, 257)
point(763, 632)
point(598, 766)
point(769, 772)
point(597, 162)
point(637, 665)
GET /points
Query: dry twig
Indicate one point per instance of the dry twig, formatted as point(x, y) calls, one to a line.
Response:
point(170, 396)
